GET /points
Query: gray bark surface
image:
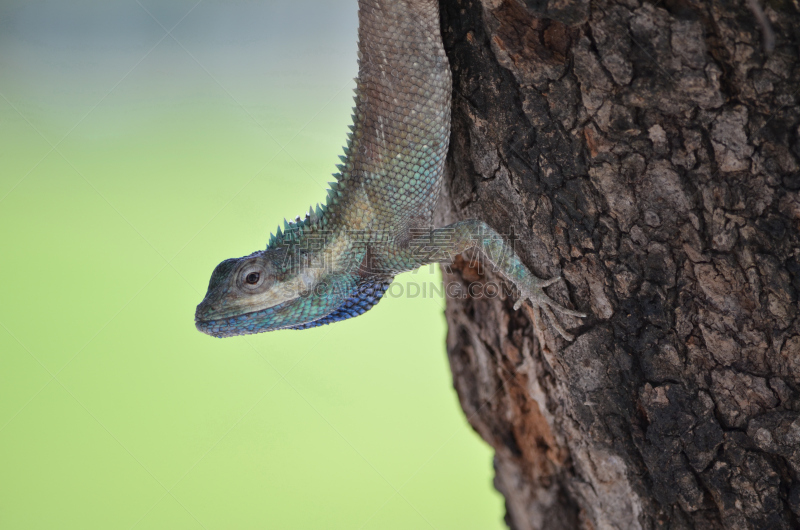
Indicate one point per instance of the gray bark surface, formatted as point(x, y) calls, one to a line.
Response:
point(650, 154)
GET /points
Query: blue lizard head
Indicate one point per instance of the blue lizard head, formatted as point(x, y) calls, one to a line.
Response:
point(255, 293)
point(260, 292)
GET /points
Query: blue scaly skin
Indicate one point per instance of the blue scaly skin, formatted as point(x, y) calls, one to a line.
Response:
point(338, 261)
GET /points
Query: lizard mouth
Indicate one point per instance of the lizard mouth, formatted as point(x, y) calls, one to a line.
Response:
point(243, 324)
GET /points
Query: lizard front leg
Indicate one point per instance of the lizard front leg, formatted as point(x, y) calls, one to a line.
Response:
point(442, 244)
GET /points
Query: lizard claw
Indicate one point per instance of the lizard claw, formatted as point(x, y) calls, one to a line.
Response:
point(539, 300)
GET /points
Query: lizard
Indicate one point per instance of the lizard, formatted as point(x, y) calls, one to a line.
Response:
point(338, 261)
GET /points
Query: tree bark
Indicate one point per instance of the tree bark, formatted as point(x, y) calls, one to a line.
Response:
point(648, 153)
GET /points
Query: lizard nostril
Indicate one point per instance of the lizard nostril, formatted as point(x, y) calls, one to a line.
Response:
point(203, 309)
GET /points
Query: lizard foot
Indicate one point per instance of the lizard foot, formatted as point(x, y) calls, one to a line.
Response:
point(539, 300)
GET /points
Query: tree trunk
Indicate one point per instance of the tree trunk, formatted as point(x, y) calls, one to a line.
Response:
point(648, 153)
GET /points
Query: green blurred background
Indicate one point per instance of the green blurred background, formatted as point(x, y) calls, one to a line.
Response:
point(132, 161)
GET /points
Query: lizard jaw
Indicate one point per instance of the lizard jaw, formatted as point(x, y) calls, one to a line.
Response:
point(244, 324)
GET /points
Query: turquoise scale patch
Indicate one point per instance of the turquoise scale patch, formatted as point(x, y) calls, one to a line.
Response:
point(367, 293)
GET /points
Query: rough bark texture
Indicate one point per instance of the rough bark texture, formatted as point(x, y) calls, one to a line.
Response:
point(649, 153)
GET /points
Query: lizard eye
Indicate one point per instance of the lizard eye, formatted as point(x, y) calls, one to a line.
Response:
point(252, 277)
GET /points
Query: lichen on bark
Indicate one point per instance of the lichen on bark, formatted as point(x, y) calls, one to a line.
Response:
point(649, 153)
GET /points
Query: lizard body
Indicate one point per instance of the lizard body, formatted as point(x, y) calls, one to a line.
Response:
point(338, 261)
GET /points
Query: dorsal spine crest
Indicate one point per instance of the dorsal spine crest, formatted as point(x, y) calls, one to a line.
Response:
point(319, 217)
